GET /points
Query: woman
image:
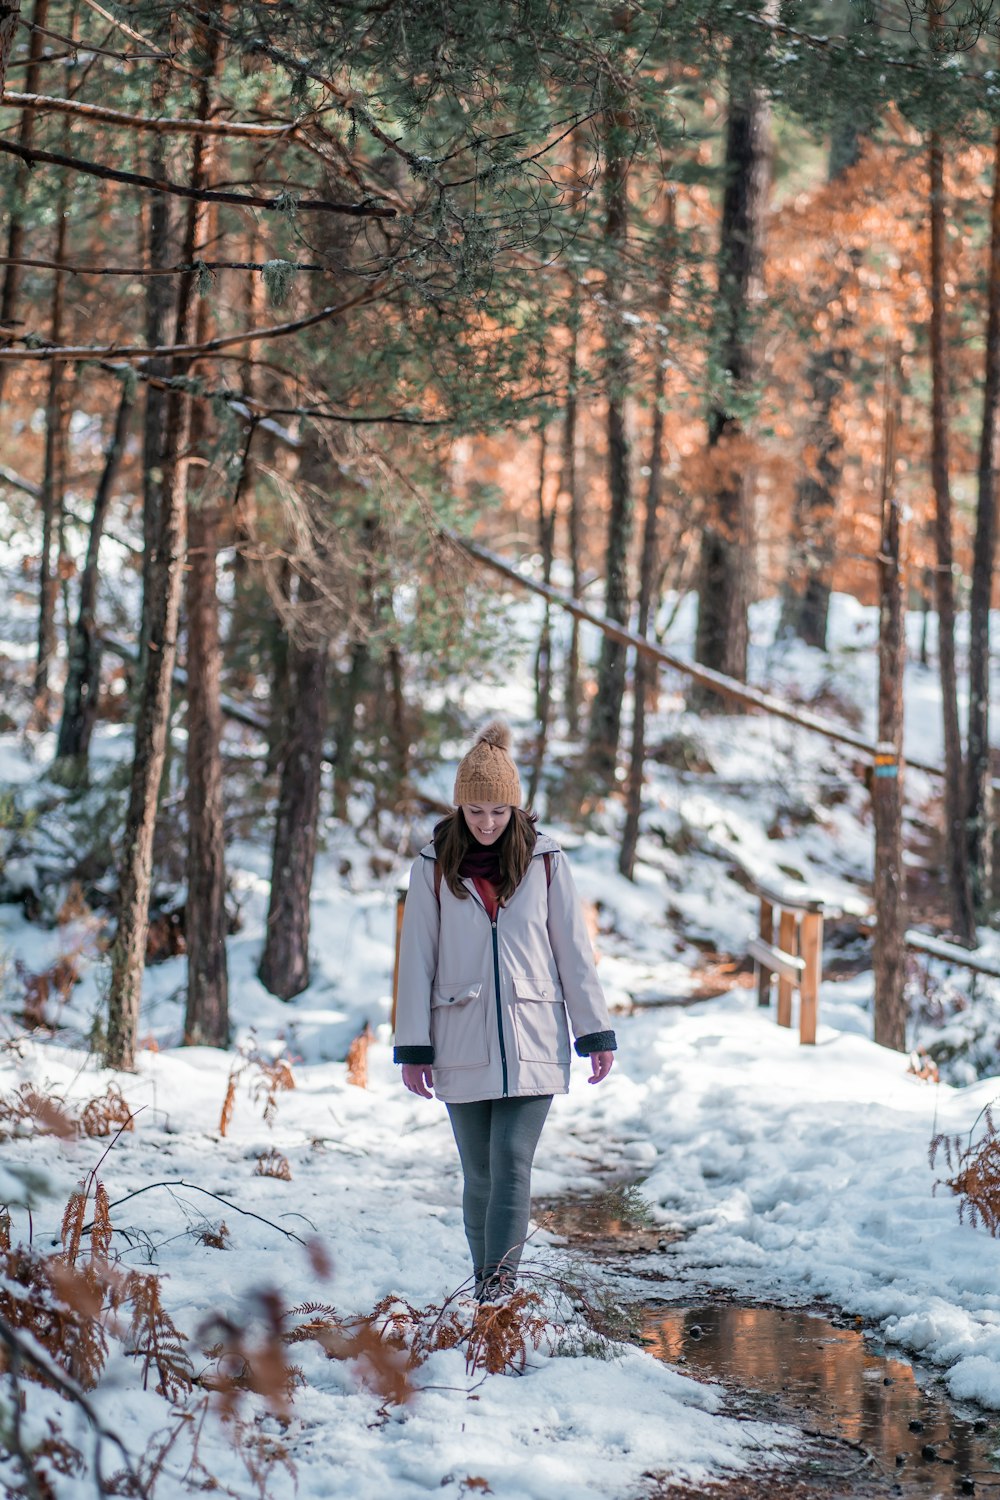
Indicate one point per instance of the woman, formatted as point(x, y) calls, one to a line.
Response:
point(494, 956)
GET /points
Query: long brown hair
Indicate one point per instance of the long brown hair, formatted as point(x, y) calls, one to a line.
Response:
point(453, 840)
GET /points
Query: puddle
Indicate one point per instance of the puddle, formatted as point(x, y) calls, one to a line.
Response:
point(829, 1379)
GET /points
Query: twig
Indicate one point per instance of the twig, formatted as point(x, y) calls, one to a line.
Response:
point(20, 1351)
point(194, 1188)
point(178, 270)
point(50, 104)
point(166, 351)
point(367, 209)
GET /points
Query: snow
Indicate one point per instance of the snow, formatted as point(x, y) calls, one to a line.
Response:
point(795, 1174)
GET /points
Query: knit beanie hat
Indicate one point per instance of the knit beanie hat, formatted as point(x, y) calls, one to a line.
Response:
point(487, 774)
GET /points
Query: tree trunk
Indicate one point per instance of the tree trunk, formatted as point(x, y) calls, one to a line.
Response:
point(161, 610)
point(605, 719)
point(887, 782)
point(726, 561)
point(350, 685)
point(569, 481)
point(10, 11)
point(80, 696)
point(206, 1018)
point(158, 301)
point(978, 797)
point(284, 966)
point(15, 230)
point(644, 670)
point(52, 486)
point(960, 895)
point(543, 655)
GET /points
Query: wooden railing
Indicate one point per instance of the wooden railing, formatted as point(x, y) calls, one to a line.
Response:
point(789, 949)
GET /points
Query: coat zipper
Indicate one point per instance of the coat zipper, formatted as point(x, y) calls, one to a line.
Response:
point(496, 985)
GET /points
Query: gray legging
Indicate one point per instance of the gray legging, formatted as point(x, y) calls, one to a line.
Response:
point(496, 1141)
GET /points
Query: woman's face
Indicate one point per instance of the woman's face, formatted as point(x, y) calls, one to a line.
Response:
point(486, 821)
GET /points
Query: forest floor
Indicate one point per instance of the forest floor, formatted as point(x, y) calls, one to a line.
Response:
point(771, 1174)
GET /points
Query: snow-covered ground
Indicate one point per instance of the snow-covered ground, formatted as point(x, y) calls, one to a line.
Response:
point(795, 1174)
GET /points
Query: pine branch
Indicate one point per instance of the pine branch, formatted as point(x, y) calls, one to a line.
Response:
point(166, 351)
point(366, 209)
point(46, 104)
point(179, 270)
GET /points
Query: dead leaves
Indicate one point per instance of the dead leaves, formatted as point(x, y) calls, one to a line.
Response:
point(975, 1178)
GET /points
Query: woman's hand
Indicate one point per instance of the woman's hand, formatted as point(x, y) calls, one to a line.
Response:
point(600, 1066)
point(418, 1078)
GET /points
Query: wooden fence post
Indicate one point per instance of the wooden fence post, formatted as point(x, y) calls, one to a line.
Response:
point(788, 927)
point(764, 975)
point(812, 952)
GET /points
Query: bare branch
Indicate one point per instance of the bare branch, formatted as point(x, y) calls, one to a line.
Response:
point(22, 1352)
point(48, 104)
point(367, 209)
point(165, 351)
point(180, 270)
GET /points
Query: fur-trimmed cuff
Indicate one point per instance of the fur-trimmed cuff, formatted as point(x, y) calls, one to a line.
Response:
point(596, 1041)
point(417, 1055)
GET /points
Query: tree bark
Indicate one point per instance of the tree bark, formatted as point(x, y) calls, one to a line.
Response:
point(284, 965)
point(54, 472)
point(206, 1017)
point(80, 695)
point(158, 299)
point(161, 609)
point(605, 718)
point(978, 796)
point(726, 561)
point(10, 11)
point(543, 655)
point(15, 230)
point(887, 781)
point(644, 670)
point(960, 896)
point(569, 482)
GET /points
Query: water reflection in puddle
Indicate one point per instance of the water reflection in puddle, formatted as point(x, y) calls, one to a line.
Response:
point(830, 1378)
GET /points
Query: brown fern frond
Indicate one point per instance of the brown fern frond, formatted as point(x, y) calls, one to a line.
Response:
point(72, 1224)
point(501, 1333)
point(216, 1239)
point(228, 1103)
point(100, 1228)
point(107, 1113)
point(271, 1163)
point(357, 1057)
point(6, 1225)
point(975, 1174)
point(154, 1338)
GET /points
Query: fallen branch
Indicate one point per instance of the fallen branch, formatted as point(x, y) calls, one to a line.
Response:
point(366, 209)
point(194, 1188)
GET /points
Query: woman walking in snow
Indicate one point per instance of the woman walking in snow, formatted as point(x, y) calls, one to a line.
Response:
point(495, 960)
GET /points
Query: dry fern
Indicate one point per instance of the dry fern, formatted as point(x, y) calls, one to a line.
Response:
point(107, 1113)
point(267, 1078)
point(272, 1163)
point(975, 1169)
point(501, 1333)
point(357, 1057)
point(152, 1335)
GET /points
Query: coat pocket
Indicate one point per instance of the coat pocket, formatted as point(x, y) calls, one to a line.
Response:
point(458, 1026)
point(540, 1021)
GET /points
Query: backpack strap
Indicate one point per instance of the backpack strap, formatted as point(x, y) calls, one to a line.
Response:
point(548, 868)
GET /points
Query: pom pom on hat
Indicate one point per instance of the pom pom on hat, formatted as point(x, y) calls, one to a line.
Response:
point(496, 733)
point(487, 774)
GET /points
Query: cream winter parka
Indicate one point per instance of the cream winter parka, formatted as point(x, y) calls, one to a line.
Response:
point(486, 1003)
